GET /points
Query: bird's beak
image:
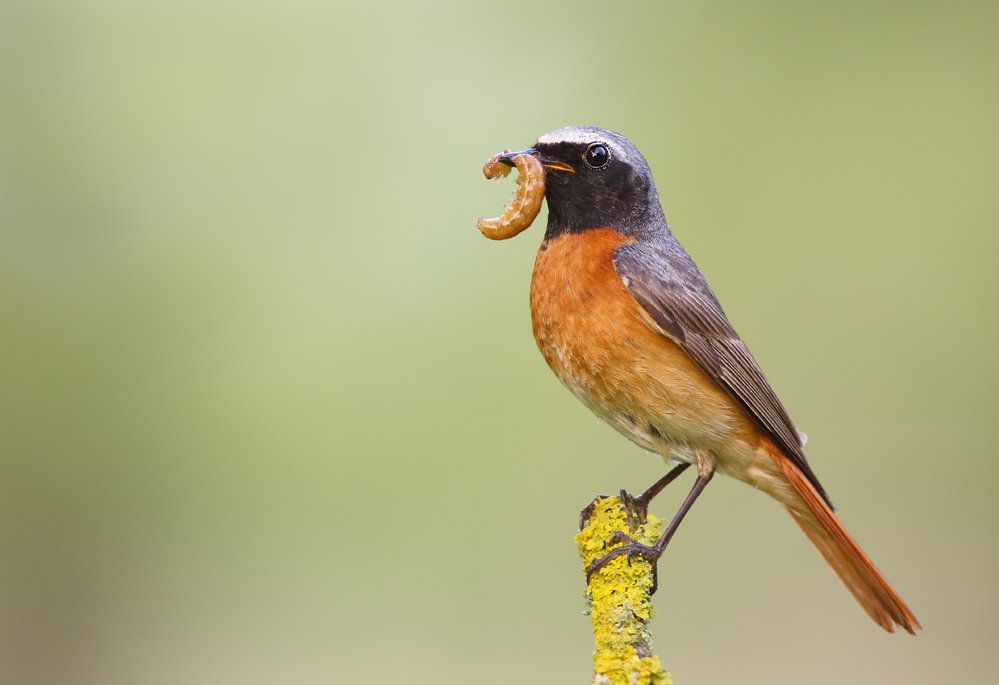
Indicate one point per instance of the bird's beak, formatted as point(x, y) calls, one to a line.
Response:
point(546, 162)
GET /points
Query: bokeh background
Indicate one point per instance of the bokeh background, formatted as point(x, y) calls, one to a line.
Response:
point(271, 410)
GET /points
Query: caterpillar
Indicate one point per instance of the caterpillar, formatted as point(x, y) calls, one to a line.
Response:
point(521, 211)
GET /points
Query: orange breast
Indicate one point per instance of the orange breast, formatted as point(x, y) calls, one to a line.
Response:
point(605, 349)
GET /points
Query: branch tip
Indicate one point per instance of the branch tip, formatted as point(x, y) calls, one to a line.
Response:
point(619, 597)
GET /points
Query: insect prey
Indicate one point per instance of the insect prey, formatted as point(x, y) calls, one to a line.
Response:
point(520, 211)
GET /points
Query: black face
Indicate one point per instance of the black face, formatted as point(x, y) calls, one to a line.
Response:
point(602, 189)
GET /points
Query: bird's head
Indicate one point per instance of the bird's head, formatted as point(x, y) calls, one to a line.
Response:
point(595, 178)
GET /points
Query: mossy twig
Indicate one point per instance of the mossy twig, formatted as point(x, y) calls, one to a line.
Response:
point(619, 597)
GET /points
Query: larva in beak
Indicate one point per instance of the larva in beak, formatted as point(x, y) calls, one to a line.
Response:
point(521, 211)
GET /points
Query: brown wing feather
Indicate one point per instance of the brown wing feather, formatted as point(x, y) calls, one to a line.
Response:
point(669, 287)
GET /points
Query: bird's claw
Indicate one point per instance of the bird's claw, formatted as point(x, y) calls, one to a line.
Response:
point(584, 515)
point(636, 508)
point(630, 548)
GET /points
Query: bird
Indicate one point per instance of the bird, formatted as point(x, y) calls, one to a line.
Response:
point(627, 322)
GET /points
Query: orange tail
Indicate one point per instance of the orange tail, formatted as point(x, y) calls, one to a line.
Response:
point(853, 567)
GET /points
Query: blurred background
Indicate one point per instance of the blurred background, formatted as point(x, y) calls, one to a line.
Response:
point(271, 408)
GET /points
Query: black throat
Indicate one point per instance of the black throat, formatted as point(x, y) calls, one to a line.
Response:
point(626, 204)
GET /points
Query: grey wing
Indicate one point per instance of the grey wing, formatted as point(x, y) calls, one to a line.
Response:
point(670, 288)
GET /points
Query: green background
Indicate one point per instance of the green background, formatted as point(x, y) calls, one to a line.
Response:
point(271, 409)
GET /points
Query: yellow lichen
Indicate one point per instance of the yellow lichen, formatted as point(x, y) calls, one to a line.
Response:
point(620, 604)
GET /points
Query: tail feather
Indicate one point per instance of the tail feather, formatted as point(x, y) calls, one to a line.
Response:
point(861, 577)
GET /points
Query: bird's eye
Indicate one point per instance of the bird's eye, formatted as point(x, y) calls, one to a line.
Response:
point(596, 156)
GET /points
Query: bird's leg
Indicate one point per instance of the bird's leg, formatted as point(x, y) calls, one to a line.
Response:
point(633, 548)
point(638, 507)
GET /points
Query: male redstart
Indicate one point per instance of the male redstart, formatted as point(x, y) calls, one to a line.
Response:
point(627, 322)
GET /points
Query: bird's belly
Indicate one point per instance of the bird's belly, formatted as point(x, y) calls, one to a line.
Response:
point(598, 341)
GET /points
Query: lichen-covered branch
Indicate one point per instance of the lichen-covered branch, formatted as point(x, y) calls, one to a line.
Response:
point(619, 597)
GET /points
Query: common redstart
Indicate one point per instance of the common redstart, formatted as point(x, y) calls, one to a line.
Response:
point(627, 322)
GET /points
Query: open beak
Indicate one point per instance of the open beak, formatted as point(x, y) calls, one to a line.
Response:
point(546, 162)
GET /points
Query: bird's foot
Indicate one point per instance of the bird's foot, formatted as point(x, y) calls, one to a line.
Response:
point(630, 548)
point(637, 509)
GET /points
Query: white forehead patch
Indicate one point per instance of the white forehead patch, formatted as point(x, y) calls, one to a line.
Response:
point(584, 135)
